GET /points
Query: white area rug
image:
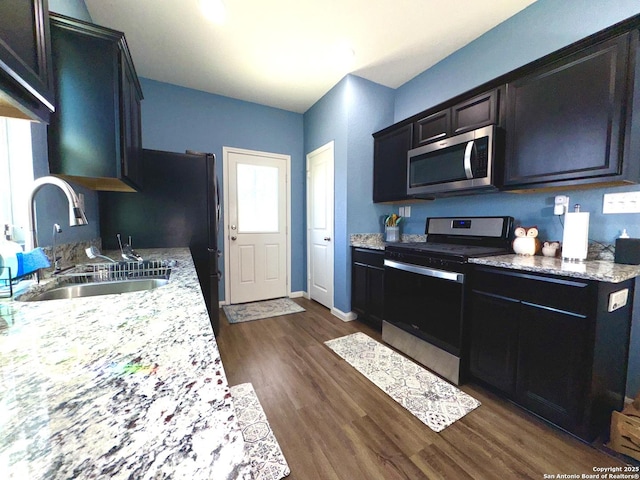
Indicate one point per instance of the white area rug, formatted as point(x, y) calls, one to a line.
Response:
point(429, 398)
point(245, 312)
point(267, 459)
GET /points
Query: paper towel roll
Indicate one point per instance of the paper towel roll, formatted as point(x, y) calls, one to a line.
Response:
point(575, 240)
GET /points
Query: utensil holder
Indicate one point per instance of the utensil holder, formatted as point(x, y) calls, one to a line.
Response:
point(392, 234)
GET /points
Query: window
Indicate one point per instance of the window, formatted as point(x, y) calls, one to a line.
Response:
point(16, 175)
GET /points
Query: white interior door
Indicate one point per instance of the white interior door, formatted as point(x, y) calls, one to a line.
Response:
point(320, 224)
point(256, 223)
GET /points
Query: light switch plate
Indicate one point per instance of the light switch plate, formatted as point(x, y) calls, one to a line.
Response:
point(625, 202)
point(401, 211)
point(407, 211)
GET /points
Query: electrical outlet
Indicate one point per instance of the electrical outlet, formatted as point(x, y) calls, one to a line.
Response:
point(625, 202)
point(618, 299)
point(561, 205)
point(407, 211)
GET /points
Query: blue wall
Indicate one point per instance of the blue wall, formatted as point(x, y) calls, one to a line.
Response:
point(348, 114)
point(177, 118)
point(51, 204)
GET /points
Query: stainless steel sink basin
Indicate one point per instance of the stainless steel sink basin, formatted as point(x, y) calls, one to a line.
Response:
point(75, 290)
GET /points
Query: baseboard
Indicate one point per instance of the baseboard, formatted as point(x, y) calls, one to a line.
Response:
point(297, 294)
point(345, 317)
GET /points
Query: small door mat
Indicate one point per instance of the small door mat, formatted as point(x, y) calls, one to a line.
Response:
point(246, 312)
point(265, 455)
point(433, 401)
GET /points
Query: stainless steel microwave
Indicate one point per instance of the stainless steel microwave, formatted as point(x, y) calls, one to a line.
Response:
point(456, 164)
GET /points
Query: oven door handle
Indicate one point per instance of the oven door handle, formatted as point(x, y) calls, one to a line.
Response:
point(428, 272)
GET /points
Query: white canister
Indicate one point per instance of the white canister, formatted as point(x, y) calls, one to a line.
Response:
point(575, 239)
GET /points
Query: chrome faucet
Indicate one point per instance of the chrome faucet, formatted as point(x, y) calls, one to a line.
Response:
point(76, 214)
point(56, 259)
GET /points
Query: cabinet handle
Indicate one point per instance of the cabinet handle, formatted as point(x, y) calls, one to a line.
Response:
point(327, 239)
point(234, 238)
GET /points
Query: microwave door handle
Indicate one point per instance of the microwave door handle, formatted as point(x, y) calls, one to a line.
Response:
point(468, 151)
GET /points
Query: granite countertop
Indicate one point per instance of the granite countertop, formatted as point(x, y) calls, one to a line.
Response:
point(600, 270)
point(375, 241)
point(124, 386)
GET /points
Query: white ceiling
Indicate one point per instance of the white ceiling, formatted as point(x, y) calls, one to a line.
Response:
point(281, 53)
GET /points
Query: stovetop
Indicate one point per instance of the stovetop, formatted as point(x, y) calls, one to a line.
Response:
point(462, 252)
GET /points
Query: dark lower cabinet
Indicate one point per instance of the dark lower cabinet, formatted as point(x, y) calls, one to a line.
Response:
point(390, 163)
point(554, 364)
point(367, 285)
point(494, 346)
point(550, 344)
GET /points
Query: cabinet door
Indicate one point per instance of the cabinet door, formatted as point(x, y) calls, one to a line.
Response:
point(84, 134)
point(494, 340)
point(359, 288)
point(25, 55)
point(432, 127)
point(475, 113)
point(131, 137)
point(390, 164)
point(554, 364)
point(376, 295)
point(565, 123)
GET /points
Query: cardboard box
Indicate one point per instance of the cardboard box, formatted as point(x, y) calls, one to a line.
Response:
point(625, 430)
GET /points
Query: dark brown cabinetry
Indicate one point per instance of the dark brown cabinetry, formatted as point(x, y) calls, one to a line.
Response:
point(367, 285)
point(478, 111)
point(390, 149)
point(25, 60)
point(550, 344)
point(566, 120)
point(94, 135)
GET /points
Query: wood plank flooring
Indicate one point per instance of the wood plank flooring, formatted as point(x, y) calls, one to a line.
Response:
point(332, 423)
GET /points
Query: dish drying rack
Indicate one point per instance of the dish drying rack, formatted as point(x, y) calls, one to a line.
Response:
point(104, 272)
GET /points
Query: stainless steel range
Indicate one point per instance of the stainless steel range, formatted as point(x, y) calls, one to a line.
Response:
point(426, 286)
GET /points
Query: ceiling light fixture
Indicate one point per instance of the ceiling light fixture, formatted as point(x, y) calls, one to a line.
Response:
point(214, 11)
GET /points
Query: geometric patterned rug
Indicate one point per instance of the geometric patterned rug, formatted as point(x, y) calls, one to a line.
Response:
point(267, 459)
point(429, 398)
point(245, 312)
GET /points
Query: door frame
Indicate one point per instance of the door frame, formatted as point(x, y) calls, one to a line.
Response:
point(226, 228)
point(327, 146)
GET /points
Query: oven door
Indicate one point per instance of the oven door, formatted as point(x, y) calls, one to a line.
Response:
point(425, 302)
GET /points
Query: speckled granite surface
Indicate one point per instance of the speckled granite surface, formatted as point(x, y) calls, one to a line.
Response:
point(117, 387)
point(375, 241)
point(601, 270)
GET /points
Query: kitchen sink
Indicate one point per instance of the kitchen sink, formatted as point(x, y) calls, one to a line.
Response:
point(75, 290)
point(104, 279)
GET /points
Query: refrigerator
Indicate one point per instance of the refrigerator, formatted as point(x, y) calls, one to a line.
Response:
point(177, 205)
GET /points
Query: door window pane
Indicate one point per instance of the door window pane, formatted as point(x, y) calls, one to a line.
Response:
point(257, 199)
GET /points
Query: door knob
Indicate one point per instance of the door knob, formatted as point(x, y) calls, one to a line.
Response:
point(327, 239)
point(233, 227)
point(234, 238)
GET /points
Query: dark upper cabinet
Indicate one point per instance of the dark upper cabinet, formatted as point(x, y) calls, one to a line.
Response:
point(550, 344)
point(390, 163)
point(432, 127)
point(476, 112)
point(26, 88)
point(566, 121)
point(94, 135)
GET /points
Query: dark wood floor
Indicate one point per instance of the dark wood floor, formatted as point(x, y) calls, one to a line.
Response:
point(332, 423)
